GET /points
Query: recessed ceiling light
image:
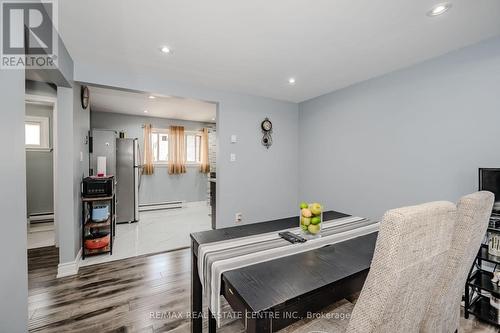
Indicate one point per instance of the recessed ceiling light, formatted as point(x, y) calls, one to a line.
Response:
point(151, 97)
point(165, 49)
point(145, 111)
point(291, 81)
point(213, 119)
point(439, 9)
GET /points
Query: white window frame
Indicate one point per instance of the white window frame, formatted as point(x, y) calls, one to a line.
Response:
point(195, 133)
point(186, 133)
point(157, 131)
point(44, 132)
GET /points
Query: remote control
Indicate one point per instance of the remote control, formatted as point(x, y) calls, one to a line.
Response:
point(292, 238)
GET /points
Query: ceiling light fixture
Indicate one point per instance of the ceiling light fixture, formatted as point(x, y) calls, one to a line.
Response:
point(151, 97)
point(291, 81)
point(439, 9)
point(145, 111)
point(213, 119)
point(165, 49)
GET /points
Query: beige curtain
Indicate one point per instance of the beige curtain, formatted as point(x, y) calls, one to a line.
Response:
point(204, 165)
point(148, 168)
point(176, 150)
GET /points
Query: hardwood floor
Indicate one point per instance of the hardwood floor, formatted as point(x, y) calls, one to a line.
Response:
point(142, 294)
point(112, 297)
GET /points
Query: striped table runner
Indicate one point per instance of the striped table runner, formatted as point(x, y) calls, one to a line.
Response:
point(218, 257)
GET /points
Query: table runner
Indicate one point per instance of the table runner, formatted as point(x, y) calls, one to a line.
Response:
point(218, 257)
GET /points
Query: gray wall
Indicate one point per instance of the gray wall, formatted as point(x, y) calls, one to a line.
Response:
point(415, 135)
point(62, 75)
point(159, 187)
point(72, 126)
point(65, 200)
point(262, 184)
point(39, 169)
point(40, 88)
point(14, 275)
point(81, 128)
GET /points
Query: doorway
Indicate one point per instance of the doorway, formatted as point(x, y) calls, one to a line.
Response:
point(39, 146)
point(160, 212)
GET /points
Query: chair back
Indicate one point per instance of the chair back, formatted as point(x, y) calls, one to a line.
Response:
point(412, 248)
point(473, 213)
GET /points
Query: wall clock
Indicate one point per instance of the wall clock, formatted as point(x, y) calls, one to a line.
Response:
point(267, 129)
point(85, 96)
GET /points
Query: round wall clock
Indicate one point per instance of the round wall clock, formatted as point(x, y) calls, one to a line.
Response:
point(266, 125)
point(267, 129)
point(85, 95)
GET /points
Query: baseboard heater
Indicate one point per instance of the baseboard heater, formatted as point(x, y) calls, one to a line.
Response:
point(161, 205)
point(41, 217)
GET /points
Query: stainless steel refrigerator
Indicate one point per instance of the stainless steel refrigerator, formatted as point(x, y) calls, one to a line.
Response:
point(128, 180)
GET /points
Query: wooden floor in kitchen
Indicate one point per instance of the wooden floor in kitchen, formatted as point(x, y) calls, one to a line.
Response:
point(142, 294)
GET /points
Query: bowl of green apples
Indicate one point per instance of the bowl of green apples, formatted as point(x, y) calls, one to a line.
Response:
point(311, 218)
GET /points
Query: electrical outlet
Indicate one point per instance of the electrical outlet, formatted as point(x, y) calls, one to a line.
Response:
point(238, 218)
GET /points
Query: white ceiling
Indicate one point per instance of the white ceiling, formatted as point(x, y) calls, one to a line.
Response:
point(134, 103)
point(255, 46)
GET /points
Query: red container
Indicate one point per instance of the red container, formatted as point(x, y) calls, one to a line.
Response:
point(97, 243)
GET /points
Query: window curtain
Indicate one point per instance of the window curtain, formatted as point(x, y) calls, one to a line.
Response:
point(176, 150)
point(148, 168)
point(204, 165)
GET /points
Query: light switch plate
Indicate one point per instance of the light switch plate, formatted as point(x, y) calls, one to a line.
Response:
point(233, 157)
point(234, 138)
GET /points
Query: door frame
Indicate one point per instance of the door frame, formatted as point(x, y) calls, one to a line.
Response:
point(52, 102)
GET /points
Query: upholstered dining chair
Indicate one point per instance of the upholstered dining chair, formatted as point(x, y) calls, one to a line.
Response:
point(410, 254)
point(473, 213)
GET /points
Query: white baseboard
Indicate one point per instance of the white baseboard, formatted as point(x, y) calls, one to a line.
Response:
point(171, 205)
point(41, 217)
point(69, 268)
point(161, 206)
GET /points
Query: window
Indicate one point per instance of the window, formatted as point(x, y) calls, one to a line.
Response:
point(193, 143)
point(32, 132)
point(159, 142)
point(36, 132)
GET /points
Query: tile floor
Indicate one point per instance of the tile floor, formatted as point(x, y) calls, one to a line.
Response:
point(41, 235)
point(156, 231)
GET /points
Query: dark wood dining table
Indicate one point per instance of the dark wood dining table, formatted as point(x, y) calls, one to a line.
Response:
point(273, 294)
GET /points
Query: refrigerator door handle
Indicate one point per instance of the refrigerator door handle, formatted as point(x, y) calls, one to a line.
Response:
point(138, 161)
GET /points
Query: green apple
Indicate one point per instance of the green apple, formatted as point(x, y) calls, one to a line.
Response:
point(304, 227)
point(303, 205)
point(305, 220)
point(306, 212)
point(313, 228)
point(315, 220)
point(315, 208)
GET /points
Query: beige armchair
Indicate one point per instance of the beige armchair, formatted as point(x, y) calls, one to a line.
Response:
point(410, 255)
point(443, 313)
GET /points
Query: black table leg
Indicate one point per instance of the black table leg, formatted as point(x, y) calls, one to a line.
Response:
point(258, 325)
point(196, 297)
point(212, 324)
